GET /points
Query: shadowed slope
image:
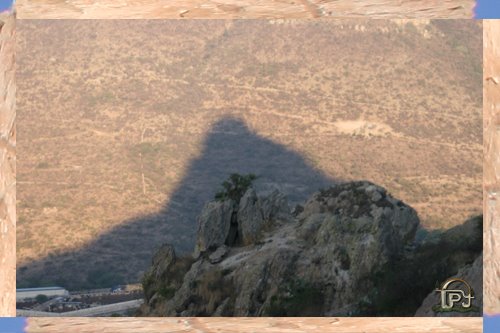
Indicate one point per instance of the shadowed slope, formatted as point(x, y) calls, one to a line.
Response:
point(230, 147)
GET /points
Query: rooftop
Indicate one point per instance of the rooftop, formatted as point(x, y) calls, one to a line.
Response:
point(38, 289)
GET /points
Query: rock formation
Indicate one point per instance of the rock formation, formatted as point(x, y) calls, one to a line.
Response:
point(473, 274)
point(350, 250)
point(459, 248)
point(214, 225)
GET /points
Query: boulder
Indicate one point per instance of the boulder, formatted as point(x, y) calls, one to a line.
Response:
point(256, 215)
point(250, 219)
point(355, 229)
point(162, 260)
point(214, 223)
point(275, 207)
point(218, 254)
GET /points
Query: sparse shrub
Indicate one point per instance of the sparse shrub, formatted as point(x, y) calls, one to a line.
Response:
point(297, 298)
point(42, 165)
point(147, 148)
point(102, 278)
point(343, 256)
point(41, 298)
point(167, 292)
point(147, 282)
point(210, 290)
point(169, 282)
point(235, 187)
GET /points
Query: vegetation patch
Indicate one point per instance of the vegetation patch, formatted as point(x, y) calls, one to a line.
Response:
point(211, 289)
point(169, 282)
point(103, 278)
point(235, 187)
point(298, 298)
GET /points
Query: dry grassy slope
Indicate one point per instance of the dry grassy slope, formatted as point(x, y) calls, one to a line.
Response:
point(393, 102)
point(85, 9)
point(7, 167)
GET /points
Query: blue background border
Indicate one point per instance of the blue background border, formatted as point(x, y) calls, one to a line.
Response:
point(12, 325)
point(487, 9)
point(5, 5)
point(491, 324)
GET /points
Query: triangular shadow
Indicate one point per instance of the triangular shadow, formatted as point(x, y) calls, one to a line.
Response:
point(122, 254)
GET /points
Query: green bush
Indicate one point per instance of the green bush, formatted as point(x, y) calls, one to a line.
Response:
point(235, 187)
point(41, 298)
point(167, 292)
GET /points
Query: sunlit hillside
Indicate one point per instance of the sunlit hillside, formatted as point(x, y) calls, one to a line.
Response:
point(127, 128)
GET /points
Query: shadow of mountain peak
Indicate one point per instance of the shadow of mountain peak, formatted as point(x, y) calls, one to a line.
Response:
point(122, 254)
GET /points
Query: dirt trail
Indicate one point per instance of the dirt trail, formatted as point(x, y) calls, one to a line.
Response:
point(189, 9)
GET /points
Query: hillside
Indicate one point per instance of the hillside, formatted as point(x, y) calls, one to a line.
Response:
point(126, 136)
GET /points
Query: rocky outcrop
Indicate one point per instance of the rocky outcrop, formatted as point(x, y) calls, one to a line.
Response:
point(162, 260)
point(214, 225)
point(218, 254)
point(343, 254)
point(255, 215)
point(353, 231)
point(239, 223)
point(432, 259)
point(473, 274)
point(275, 207)
point(249, 218)
point(460, 256)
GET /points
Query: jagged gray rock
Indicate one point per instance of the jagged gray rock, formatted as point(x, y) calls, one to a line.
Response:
point(297, 210)
point(353, 229)
point(218, 255)
point(213, 225)
point(258, 214)
point(323, 262)
point(275, 207)
point(163, 259)
point(249, 217)
point(473, 274)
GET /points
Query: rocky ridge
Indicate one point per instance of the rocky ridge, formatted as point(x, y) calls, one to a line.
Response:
point(352, 249)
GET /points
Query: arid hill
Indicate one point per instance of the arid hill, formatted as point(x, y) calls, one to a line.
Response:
point(126, 135)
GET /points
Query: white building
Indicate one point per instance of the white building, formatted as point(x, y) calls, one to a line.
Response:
point(28, 293)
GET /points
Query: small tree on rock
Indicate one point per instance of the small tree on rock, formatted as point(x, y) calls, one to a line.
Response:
point(235, 187)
